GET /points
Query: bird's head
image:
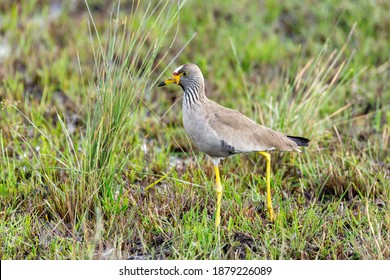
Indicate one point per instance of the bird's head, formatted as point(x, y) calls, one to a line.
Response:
point(185, 76)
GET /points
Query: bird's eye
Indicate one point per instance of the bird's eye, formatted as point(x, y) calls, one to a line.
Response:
point(184, 73)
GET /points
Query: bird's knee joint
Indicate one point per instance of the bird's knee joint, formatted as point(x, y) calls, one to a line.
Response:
point(266, 155)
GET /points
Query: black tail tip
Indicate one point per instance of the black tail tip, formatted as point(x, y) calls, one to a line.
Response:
point(301, 141)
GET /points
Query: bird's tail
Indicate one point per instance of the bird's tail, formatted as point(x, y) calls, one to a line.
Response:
point(301, 141)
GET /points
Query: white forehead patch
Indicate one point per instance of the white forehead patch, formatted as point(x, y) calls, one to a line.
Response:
point(178, 69)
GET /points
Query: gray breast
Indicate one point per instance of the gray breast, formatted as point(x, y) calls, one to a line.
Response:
point(203, 136)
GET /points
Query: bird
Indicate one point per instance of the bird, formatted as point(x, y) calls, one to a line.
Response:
point(221, 132)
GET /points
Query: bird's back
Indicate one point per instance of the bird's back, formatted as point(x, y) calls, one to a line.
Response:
point(220, 131)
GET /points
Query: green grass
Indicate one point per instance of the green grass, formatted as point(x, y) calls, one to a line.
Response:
point(94, 162)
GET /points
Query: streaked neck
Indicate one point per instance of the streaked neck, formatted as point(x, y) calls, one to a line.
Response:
point(193, 95)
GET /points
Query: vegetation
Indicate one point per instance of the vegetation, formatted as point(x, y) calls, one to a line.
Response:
point(95, 164)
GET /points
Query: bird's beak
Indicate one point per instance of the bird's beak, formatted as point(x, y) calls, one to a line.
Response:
point(174, 80)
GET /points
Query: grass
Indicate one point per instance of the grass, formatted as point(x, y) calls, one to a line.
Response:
point(94, 163)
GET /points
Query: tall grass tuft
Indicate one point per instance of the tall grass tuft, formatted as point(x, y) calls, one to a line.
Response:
point(82, 178)
point(124, 63)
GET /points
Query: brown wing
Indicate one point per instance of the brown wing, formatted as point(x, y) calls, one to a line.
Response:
point(245, 135)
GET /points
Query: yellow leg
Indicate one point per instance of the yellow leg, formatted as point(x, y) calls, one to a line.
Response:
point(219, 196)
point(268, 182)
